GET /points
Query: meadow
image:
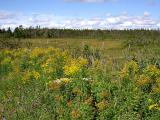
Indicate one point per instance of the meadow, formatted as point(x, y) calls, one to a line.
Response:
point(80, 79)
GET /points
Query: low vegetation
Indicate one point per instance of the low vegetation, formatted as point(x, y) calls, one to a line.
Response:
point(80, 79)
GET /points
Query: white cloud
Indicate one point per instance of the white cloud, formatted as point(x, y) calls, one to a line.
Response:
point(122, 21)
point(146, 13)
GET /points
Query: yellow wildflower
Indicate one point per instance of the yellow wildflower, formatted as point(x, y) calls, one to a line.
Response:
point(71, 70)
point(36, 52)
point(152, 71)
point(27, 76)
point(6, 61)
point(129, 68)
point(74, 66)
point(154, 106)
point(7, 52)
point(143, 80)
point(82, 61)
point(36, 75)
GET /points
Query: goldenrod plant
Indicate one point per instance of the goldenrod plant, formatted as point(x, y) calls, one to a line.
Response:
point(53, 84)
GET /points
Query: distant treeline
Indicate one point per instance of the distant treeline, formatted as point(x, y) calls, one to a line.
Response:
point(13, 38)
point(38, 32)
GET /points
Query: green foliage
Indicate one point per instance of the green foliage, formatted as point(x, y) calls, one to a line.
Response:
point(143, 38)
point(83, 83)
point(52, 84)
point(140, 36)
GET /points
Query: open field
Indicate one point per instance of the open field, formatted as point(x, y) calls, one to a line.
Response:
point(79, 60)
point(79, 79)
point(108, 48)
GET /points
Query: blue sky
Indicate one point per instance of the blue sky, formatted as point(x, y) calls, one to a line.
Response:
point(104, 14)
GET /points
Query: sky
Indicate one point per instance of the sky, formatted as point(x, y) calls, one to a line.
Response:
point(81, 14)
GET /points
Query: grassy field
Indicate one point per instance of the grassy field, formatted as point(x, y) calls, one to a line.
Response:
point(108, 48)
point(80, 79)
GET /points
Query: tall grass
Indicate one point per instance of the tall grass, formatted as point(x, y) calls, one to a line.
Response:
point(79, 83)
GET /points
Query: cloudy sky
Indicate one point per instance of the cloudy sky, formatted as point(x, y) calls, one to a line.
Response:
point(80, 14)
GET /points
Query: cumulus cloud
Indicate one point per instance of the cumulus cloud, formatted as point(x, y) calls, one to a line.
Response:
point(108, 21)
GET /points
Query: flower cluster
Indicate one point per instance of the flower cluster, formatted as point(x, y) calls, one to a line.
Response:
point(130, 68)
point(28, 75)
point(74, 66)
